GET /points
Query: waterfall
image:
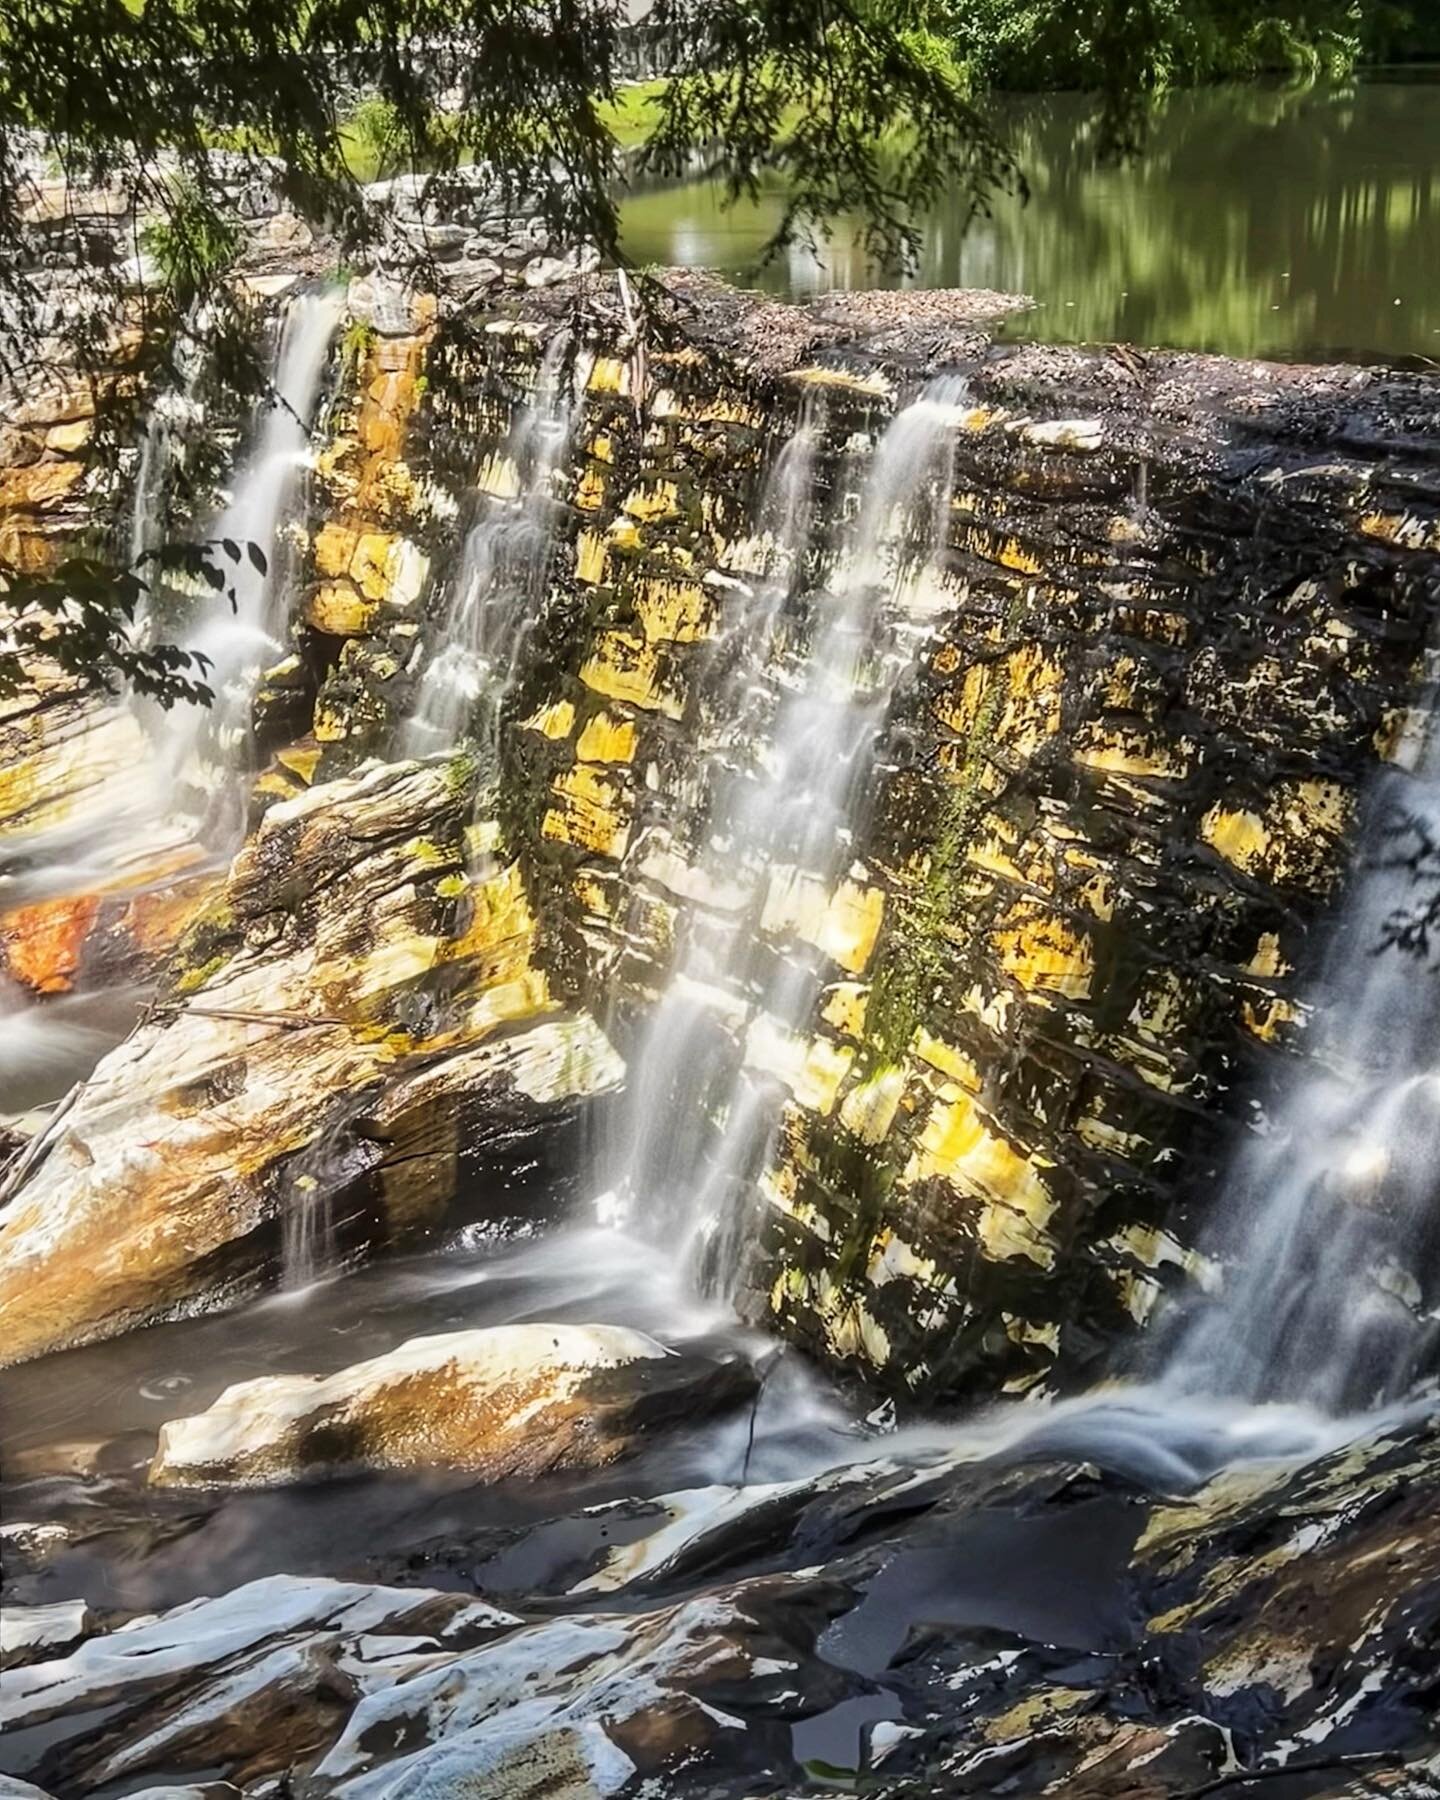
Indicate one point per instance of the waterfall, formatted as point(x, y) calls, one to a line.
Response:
point(1329, 1209)
point(725, 1042)
point(172, 412)
point(500, 583)
point(239, 640)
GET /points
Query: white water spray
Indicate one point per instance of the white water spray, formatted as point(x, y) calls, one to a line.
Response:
point(1328, 1229)
point(239, 642)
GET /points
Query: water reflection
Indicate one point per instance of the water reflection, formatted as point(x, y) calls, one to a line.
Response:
point(1284, 222)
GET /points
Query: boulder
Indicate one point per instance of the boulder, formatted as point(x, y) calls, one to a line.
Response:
point(30, 1631)
point(508, 1402)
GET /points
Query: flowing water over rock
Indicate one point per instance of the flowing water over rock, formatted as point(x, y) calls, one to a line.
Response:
point(239, 639)
point(163, 796)
point(491, 1497)
point(500, 581)
point(1331, 1251)
point(728, 1028)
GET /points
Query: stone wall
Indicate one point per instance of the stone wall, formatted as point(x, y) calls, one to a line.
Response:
point(1173, 624)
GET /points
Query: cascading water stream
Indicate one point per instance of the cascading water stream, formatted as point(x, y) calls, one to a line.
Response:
point(238, 641)
point(500, 583)
point(143, 814)
point(1328, 1232)
point(703, 1089)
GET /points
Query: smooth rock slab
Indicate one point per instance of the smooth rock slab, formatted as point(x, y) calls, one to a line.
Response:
point(27, 1630)
point(511, 1401)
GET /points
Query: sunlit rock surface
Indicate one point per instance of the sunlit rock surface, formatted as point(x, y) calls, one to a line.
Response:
point(511, 1402)
point(1170, 625)
point(354, 942)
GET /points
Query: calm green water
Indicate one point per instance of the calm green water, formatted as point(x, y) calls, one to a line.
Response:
point(1260, 222)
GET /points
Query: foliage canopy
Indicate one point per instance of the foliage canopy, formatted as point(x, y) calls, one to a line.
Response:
point(866, 106)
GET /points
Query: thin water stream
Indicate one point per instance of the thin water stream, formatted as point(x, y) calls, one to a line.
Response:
point(206, 748)
point(500, 582)
point(166, 795)
point(727, 1035)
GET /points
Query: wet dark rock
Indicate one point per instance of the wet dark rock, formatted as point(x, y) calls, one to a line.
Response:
point(965, 1630)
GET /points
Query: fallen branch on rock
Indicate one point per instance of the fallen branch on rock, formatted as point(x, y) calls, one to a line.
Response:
point(286, 1021)
point(1320, 1765)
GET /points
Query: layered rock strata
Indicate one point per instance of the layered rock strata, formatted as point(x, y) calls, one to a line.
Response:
point(1172, 623)
point(512, 1402)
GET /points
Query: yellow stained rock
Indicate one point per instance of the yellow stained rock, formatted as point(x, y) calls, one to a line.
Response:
point(1267, 960)
point(591, 555)
point(677, 612)
point(1266, 1019)
point(500, 925)
point(593, 896)
point(626, 668)
point(813, 1070)
point(69, 436)
point(1305, 807)
point(499, 476)
point(1240, 837)
point(1407, 531)
point(892, 1259)
point(652, 500)
point(334, 547)
point(843, 924)
point(607, 739)
point(555, 721)
point(299, 761)
point(1045, 955)
point(948, 1060)
point(369, 563)
point(609, 375)
point(337, 609)
point(590, 490)
point(594, 813)
point(1117, 751)
point(1100, 1135)
point(870, 382)
point(869, 1109)
point(845, 1006)
point(1033, 1714)
point(849, 1328)
point(1032, 708)
point(956, 1146)
point(990, 853)
point(698, 410)
point(36, 486)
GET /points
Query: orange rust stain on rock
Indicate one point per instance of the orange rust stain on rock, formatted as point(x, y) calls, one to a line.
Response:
point(43, 943)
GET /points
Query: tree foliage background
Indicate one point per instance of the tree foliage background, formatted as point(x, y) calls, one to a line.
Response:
point(868, 106)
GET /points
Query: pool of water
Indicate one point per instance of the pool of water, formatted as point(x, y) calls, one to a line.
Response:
point(1293, 223)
